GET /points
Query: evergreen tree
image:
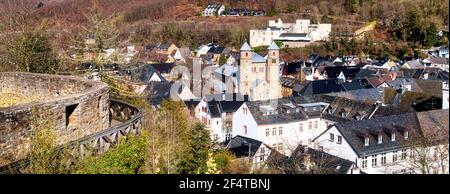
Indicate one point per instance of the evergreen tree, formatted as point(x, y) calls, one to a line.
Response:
point(196, 154)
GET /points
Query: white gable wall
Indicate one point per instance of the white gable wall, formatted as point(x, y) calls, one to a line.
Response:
point(342, 150)
point(242, 120)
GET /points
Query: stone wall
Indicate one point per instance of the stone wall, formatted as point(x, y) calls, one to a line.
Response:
point(75, 107)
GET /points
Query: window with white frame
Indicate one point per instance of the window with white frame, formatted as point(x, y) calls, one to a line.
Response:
point(300, 127)
point(331, 137)
point(394, 156)
point(280, 147)
point(245, 129)
point(339, 140)
point(380, 139)
point(404, 154)
point(274, 131)
point(310, 125)
point(364, 162)
point(267, 132)
point(316, 124)
point(383, 159)
point(393, 136)
point(280, 131)
point(366, 141)
point(406, 134)
point(374, 160)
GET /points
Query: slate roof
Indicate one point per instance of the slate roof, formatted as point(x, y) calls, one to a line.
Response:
point(228, 97)
point(256, 58)
point(321, 87)
point(429, 87)
point(412, 73)
point(326, 163)
point(158, 91)
point(293, 35)
point(163, 67)
point(141, 73)
point(240, 146)
point(356, 131)
point(284, 111)
point(288, 82)
point(191, 103)
point(375, 94)
point(334, 71)
point(217, 105)
point(291, 68)
point(354, 85)
point(438, 60)
point(349, 109)
point(365, 73)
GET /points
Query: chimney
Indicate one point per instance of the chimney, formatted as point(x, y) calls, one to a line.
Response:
point(223, 95)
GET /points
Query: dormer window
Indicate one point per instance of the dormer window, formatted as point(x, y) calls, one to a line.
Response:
point(343, 113)
point(406, 134)
point(366, 141)
point(380, 139)
point(393, 136)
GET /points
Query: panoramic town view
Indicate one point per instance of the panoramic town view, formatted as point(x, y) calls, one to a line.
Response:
point(224, 87)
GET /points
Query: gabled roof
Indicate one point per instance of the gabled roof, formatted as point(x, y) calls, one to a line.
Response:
point(143, 73)
point(323, 162)
point(291, 68)
point(438, 60)
point(375, 94)
point(286, 110)
point(256, 58)
point(434, 125)
point(157, 92)
point(242, 146)
point(355, 132)
point(246, 47)
point(365, 73)
point(414, 64)
point(429, 87)
point(354, 85)
point(375, 81)
point(334, 71)
point(322, 87)
point(163, 67)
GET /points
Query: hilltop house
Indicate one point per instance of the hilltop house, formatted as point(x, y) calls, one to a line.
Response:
point(298, 34)
point(161, 48)
point(213, 10)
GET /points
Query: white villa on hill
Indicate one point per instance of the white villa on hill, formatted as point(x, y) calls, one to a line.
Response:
point(297, 34)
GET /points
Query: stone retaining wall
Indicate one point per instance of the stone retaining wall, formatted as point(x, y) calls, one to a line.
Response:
point(75, 107)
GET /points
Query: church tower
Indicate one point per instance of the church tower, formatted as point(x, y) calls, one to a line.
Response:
point(245, 69)
point(273, 71)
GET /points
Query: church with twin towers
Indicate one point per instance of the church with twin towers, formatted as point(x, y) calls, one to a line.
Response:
point(260, 76)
